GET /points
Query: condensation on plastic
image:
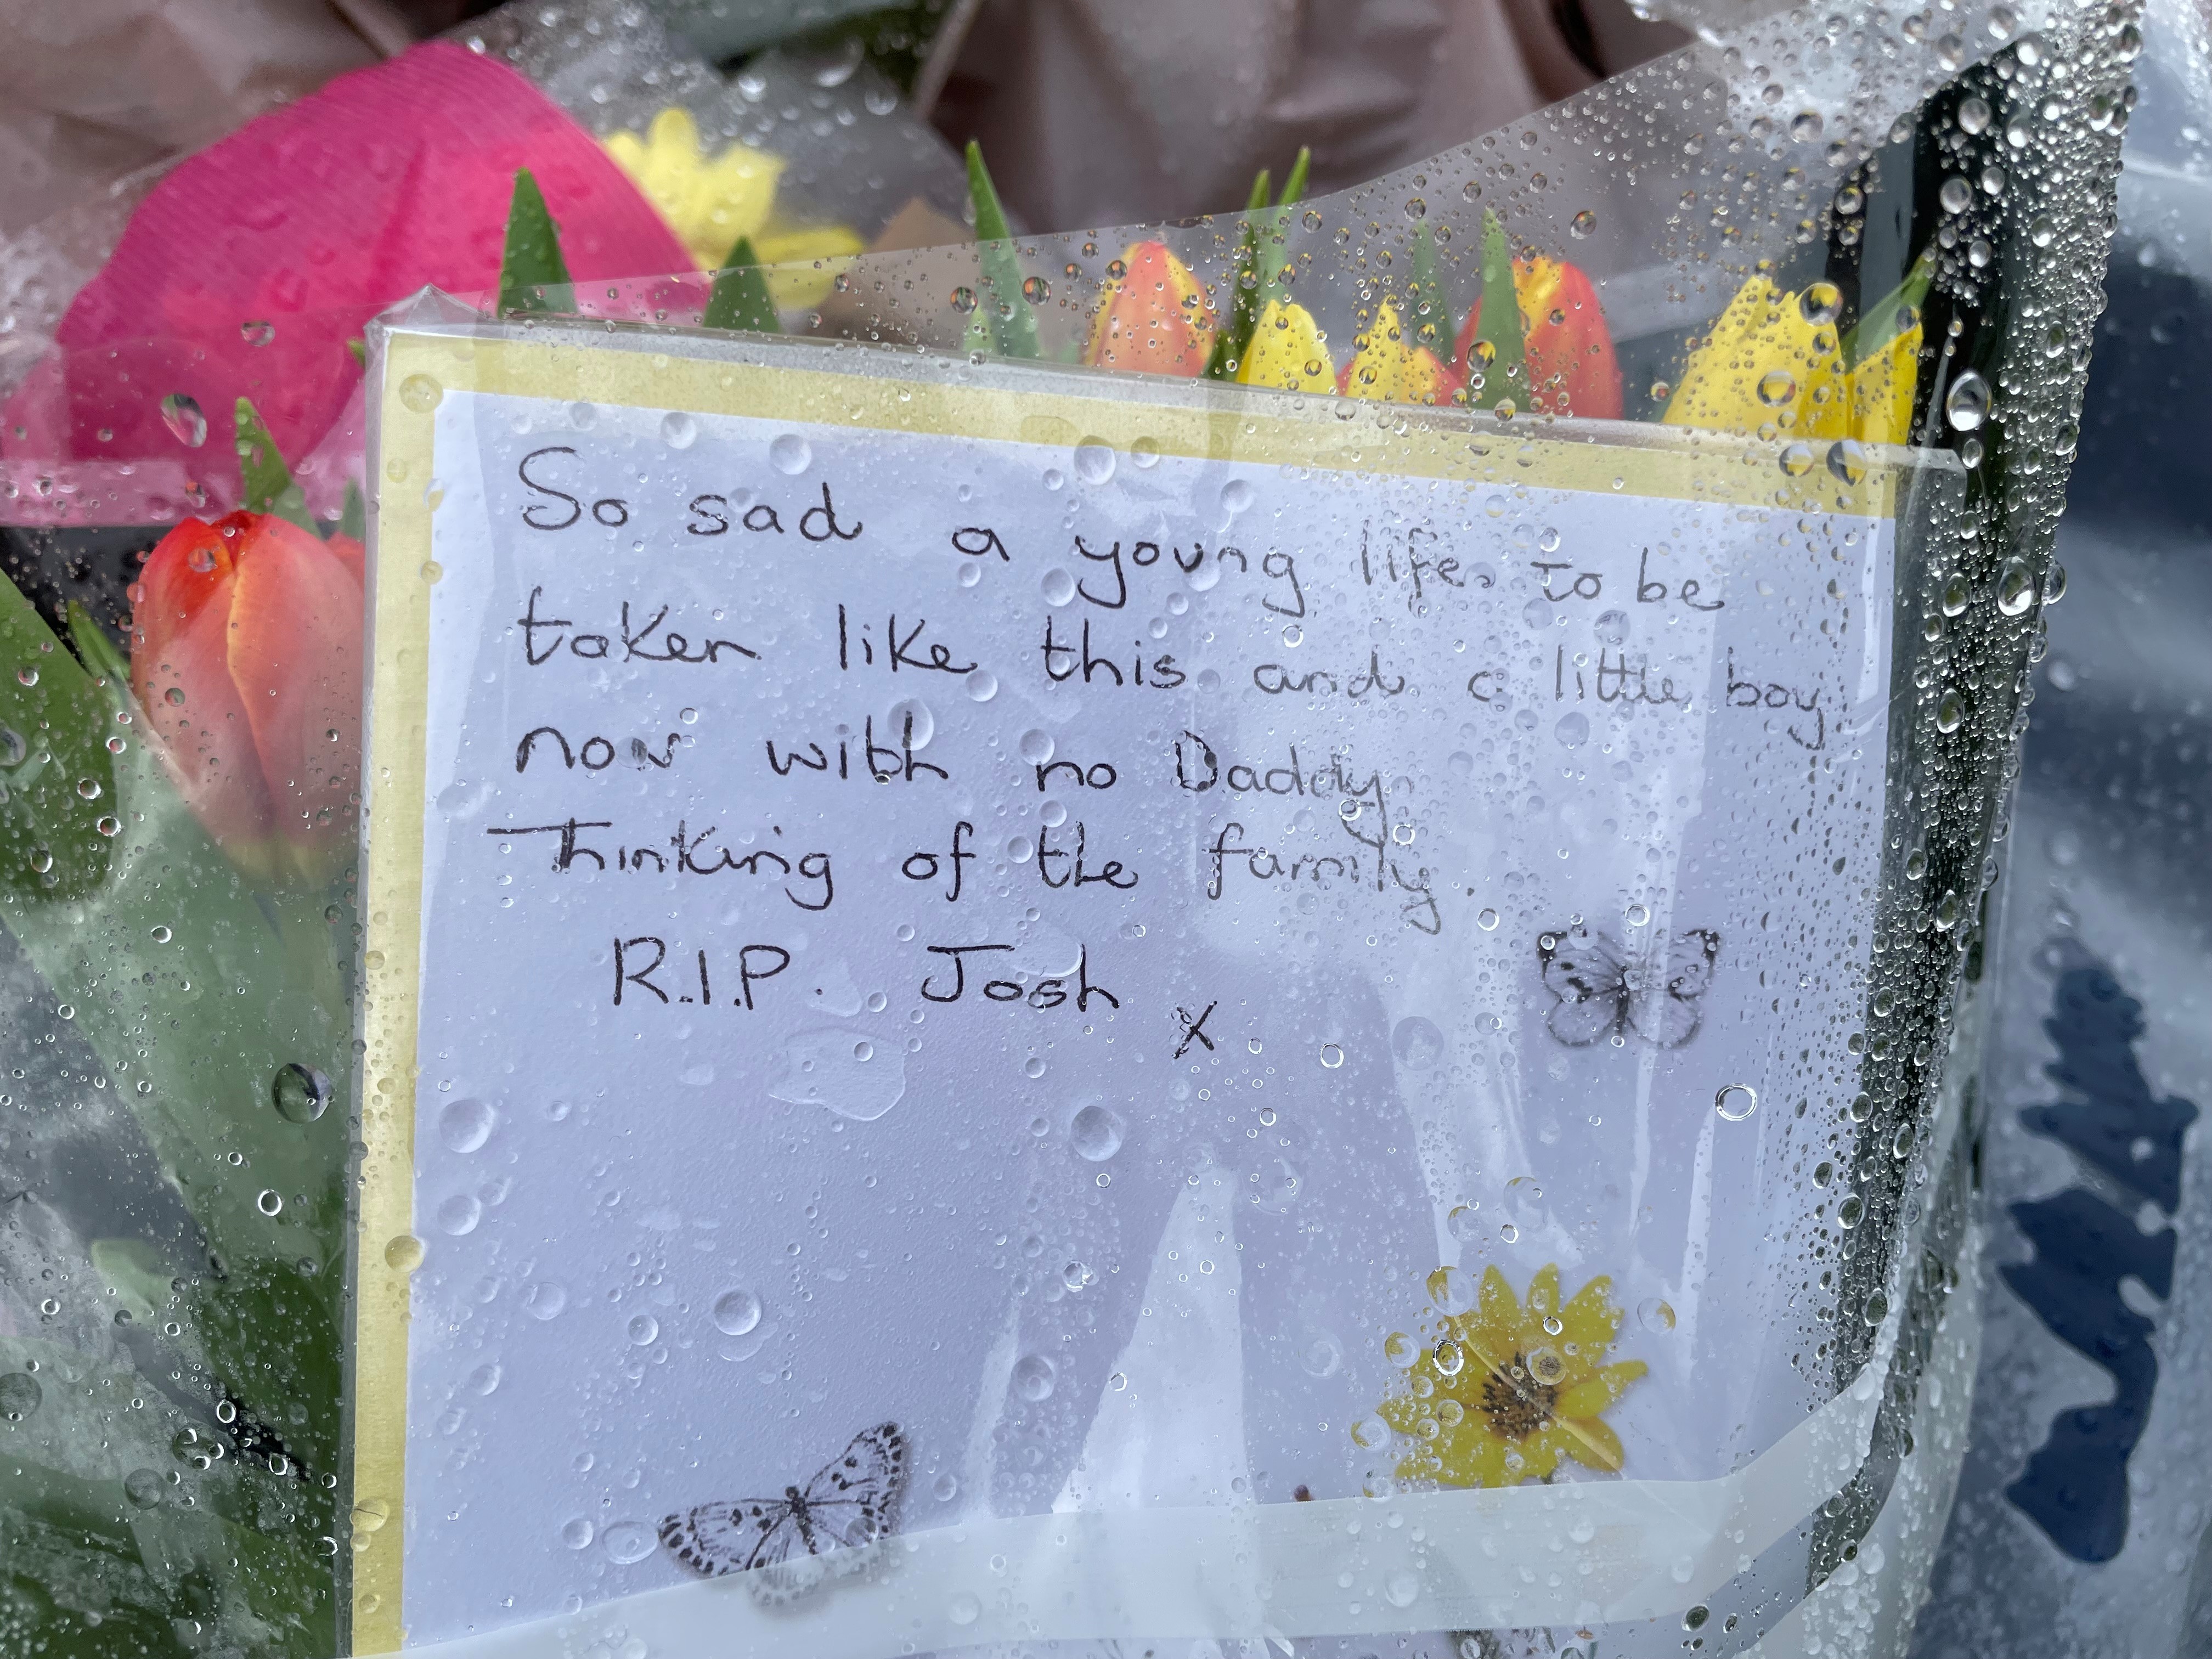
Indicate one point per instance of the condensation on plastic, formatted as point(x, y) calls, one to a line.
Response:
point(1627, 152)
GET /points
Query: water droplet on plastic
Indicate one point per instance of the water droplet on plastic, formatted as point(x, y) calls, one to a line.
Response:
point(1451, 1290)
point(628, 1542)
point(301, 1093)
point(257, 332)
point(791, 453)
point(457, 1216)
point(270, 1202)
point(1096, 1133)
point(1417, 1042)
point(1950, 712)
point(577, 1534)
point(912, 724)
point(1807, 127)
point(182, 415)
point(1094, 460)
point(2016, 588)
point(1572, 729)
point(964, 299)
point(421, 392)
point(1332, 1056)
point(1736, 1101)
point(1037, 747)
point(679, 431)
point(1819, 303)
point(1796, 459)
point(1847, 460)
point(1955, 194)
point(1583, 223)
point(546, 1299)
point(1966, 405)
point(1034, 1376)
point(644, 1330)
point(1486, 919)
point(1973, 115)
point(1656, 1314)
point(20, 1395)
point(465, 1125)
point(1776, 386)
point(736, 1312)
point(964, 1608)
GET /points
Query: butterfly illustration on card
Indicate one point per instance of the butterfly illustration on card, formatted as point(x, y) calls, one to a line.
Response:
point(809, 1534)
point(1605, 991)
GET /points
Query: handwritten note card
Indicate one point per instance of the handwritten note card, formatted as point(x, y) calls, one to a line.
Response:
point(1042, 908)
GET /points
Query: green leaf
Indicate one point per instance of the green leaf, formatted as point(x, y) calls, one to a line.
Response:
point(134, 1270)
point(57, 777)
point(1504, 365)
point(268, 482)
point(1431, 320)
point(1235, 339)
point(1001, 308)
point(353, 517)
point(98, 652)
point(532, 264)
point(1294, 190)
point(1877, 324)
point(741, 298)
point(194, 991)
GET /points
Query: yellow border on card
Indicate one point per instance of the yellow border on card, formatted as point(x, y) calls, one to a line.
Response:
point(861, 389)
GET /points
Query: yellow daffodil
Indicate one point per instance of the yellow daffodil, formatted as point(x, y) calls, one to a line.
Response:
point(709, 201)
point(1288, 351)
point(1388, 366)
point(1773, 366)
point(1503, 1391)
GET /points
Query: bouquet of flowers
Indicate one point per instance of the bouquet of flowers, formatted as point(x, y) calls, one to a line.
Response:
point(178, 775)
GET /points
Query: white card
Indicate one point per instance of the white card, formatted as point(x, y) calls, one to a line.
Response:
point(1043, 909)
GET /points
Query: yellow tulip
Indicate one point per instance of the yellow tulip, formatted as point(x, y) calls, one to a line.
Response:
point(1288, 351)
point(801, 264)
point(707, 200)
point(1385, 368)
point(1882, 387)
point(1770, 369)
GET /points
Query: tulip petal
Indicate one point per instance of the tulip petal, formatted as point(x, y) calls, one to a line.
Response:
point(179, 671)
point(1154, 319)
point(295, 656)
point(1287, 351)
point(1882, 390)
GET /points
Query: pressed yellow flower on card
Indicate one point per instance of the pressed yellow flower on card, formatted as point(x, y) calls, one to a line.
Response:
point(1509, 1388)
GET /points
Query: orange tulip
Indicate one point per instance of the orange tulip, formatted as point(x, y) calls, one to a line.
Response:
point(1153, 317)
point(246, 654)
point(1571, 368)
